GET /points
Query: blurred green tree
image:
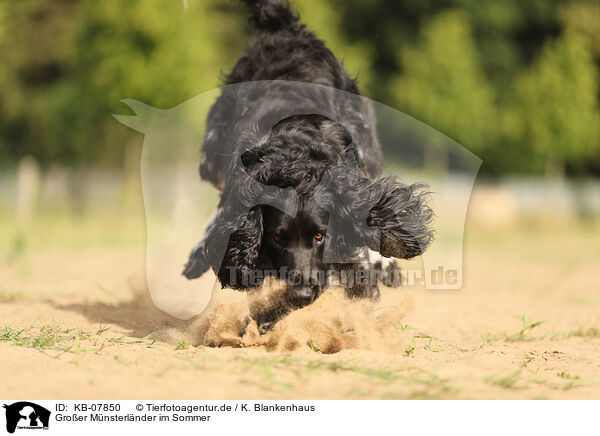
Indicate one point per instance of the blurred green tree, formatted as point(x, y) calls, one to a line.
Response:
point(555, 107)
point(489, 76)
point(583, 17)
point(324, 19)
point(509, 34)
point(443, 84)
point(67, 64)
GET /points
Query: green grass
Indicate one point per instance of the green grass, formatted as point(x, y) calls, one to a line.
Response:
point(17, 248)
point(568, 376)
point(520, 335)
point(517, 380)
point(347, 366)
point(404, 328)
point(46, 338)
point(274, 369)
point(181, 345)
point(523, 335)
point(313, 347)
point(289, 363)
point(591, 332)
point(76, 341)
point(8, 296)
point(128, 339)
point(507, 381)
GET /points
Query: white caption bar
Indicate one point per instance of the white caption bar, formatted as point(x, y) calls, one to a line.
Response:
point(298, 417)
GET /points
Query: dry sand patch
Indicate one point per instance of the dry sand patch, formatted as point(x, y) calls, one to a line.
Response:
point(523, 326)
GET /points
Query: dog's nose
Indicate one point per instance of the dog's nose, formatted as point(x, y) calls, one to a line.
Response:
point(300, 295)
point(299, 278)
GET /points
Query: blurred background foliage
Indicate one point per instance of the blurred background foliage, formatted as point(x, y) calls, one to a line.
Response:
point(514, 81)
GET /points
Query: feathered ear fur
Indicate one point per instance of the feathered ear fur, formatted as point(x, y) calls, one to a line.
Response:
point(230, 247)
point(383, 214)
point(233, 238)
point(402, 218)
point(242, 251)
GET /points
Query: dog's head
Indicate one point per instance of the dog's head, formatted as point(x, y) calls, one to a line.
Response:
point(339, 213)
point(292, 247)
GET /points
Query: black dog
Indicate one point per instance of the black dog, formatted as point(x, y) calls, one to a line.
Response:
point(316, 144)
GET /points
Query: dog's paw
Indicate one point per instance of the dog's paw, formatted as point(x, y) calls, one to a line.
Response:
point(375, 295)
point(245, 322)
point(266, 327)
point(196, 264)
point(391, 274)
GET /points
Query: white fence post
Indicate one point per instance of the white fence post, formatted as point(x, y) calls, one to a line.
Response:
point(28, 184)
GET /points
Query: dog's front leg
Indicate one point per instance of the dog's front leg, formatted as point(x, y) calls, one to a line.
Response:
point(360, 281)
point(267, 305)
point(364, 291)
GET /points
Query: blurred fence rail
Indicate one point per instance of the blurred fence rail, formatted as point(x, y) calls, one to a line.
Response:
point(27, 191)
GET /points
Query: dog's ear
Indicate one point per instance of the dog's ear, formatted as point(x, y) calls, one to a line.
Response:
point(383, 214)
point(233, 238)
point(230, 247)
point(197, 263)
point(242, 251)
point(402, 217)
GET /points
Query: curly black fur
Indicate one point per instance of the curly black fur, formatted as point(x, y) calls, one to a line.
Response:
point(308, 151)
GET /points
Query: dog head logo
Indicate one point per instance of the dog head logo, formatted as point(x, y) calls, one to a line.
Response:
point(26, 415)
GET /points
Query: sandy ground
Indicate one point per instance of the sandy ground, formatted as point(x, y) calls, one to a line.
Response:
point(75, 323)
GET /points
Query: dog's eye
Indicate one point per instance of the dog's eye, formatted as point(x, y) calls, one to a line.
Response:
point(277, 239)
point(319, 237)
